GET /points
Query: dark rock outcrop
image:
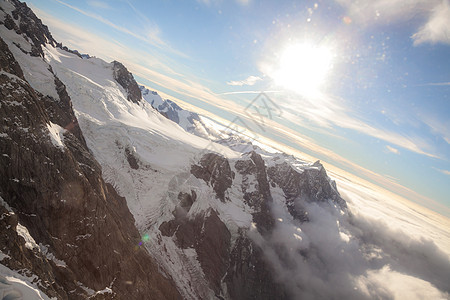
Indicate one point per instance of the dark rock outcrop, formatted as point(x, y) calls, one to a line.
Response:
point(249, 275)
point(215, 170)
point(175, 113)
point(207, 234)
point(260, 198)
point(24, 21)
point(131, 158)
point(55, 187)
point(126, 80)
point(309, 185)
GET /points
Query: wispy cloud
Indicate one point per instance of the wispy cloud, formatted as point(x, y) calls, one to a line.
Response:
point(434, 15)
point(328, 111)
point(251, 80)
point(151, 34)
point(243, 2)
point(247, 92)
point(437, 84)
point(440, 128)
point(154, 70)
point(445, 172)
point(437, 28)
point(99, 4)
point(392, 149)
point(216, 2)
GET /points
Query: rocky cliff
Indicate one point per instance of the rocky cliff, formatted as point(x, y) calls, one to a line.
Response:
point(233, 262)
point(80, 238)
point(101, 197)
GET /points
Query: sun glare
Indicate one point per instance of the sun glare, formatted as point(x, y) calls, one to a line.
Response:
point(303, 68)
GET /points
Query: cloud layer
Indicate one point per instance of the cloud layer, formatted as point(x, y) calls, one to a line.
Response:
point(355, 256)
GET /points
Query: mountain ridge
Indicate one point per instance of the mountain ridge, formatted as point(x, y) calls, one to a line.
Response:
point(107, 191)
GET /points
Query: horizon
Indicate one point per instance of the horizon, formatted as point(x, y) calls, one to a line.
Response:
point(378, 109)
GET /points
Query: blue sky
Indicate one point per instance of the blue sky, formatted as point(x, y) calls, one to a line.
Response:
point(381, 109)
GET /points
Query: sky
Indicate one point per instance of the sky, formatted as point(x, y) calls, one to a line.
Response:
point(362, 85)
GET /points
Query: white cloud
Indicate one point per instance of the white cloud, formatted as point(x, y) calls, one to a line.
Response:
point(155, 70)
point(438, 84)
point(368, 254)
point(150, 34)
point(437, 28)
point(247, 92)
point(243, 2)
point(99, 4)
point(434, 15)
point(438, 127)
point(392, 149)
point(328, 111)
point(217, 2)
point(445, 172)
point(251, 80)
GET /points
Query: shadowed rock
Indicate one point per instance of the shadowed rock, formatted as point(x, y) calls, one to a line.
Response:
point(126, 80)
point(215, 170)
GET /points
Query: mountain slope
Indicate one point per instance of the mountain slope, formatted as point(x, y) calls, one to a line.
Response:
point(105, 193)
point(188, 203)
point(64, 224)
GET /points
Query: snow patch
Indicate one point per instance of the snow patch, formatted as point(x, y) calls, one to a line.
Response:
point(50, 256)
point(35, 69)
point(16, 286)
point(3, 256)
point(56, 134)
point(30, 243)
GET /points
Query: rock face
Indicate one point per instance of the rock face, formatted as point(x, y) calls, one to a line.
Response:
point(214, 170)
point(84, 236)
point(23, 20)
point(64, 224)
point(244, 269)
point(209, 236)
point(261, 198)
point(250, 276)
point(126, 80)
point(310, 185)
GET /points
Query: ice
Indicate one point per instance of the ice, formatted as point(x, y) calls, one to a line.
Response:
point(50, 256)
point(16, 286)
point(35, 69)
point(56, 134)
point(30, 243)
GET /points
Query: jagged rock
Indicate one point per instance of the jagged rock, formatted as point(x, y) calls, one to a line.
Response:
point(190, 121)
point(249, 275)
point(19, 257)
point(170, 110)
point(10, 24)
point(186, 200)
point(209, 236)
point(55, 186)
point(126, 80)
point(310, 185)
point(131, 158)
point(260, 198)
point(31, 26)
point(7, 61)
point(215, 170)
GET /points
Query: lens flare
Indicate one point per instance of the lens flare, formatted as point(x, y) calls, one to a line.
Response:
point(303, 68)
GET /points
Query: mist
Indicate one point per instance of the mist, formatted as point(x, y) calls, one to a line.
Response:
point(345, 255)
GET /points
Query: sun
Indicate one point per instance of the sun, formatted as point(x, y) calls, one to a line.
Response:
point(303, 68)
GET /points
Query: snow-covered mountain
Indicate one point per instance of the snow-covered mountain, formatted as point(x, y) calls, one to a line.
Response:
point(108, 191)
point(189, 121)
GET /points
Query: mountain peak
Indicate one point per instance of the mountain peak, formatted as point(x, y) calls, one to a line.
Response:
point(127, 81)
